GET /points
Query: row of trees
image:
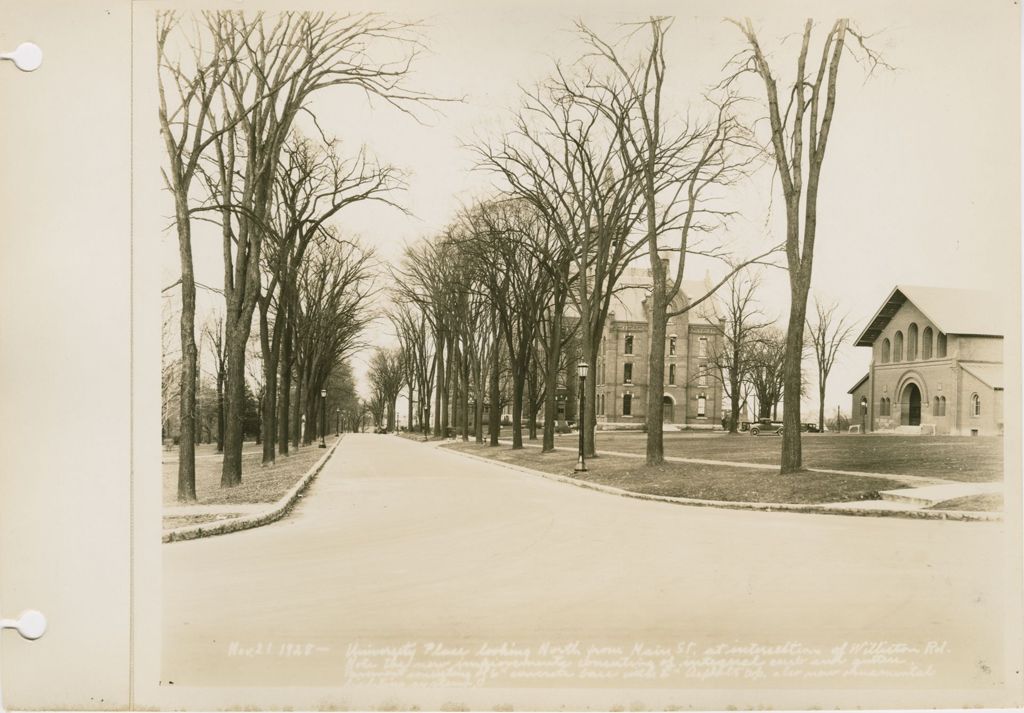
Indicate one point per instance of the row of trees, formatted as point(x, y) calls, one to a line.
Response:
point(750, 360)
point(234, 89)
point(596, 172)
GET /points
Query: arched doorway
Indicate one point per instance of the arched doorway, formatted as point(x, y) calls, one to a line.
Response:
point(668, 410)
point(910, 406)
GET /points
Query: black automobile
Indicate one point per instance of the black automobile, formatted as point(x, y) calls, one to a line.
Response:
point(810, 427)
point(766, 425)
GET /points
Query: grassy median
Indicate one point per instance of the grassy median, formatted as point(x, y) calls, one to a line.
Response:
point(259, 484)
point(692, 480)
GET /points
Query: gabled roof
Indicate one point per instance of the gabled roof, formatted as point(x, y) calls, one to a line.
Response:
point(952, 311)
point(986, 372)
point(857, 385)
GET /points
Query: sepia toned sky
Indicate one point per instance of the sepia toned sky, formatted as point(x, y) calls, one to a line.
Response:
point(921, 178)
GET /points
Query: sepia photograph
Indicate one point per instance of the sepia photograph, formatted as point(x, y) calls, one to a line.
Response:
point(604, 356)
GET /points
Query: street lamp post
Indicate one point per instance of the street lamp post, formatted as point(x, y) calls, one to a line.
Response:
point(323, 416)
point(581, 370)
point(863, 414)
point(337, 422)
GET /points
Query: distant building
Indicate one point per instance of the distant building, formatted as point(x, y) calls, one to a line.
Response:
point(693, 394)
point(936, 363)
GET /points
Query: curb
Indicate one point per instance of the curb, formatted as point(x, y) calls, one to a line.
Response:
point(277, 510)
point(962, 515)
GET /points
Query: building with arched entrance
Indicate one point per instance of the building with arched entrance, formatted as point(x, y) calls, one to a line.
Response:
point(693, 393)
point(936, 364)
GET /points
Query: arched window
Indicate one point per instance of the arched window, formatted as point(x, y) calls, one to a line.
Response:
point(885, 407)
point(912, 342)
point(936, 406)
point(942, 406)
point(940, 346)
point(886, 351)
point(926, 343)
point(897, 347)
point(671, 374)
point(975, 405)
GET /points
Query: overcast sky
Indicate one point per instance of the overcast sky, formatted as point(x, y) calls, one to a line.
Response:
point(920, 184)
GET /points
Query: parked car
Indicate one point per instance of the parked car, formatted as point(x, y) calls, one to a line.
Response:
point(810, 427)
point(767, 426)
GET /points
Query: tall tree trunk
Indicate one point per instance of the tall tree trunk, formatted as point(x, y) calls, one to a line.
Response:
point(271, 353)
point(220, 409)
point(656, 361)
point(531, 399)
point(494, 420)
point(286, 389)
point(465, 398)
point(189, 357)
point(234, 416)
point(792, 452)
point(734, 402)
point(297, 434)
point(409, 425)
point(518, 387)
point(439, 402)
point(551, 377)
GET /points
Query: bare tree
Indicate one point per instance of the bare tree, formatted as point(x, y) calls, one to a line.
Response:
point(563, 158)
point(313, 184)
point(281, 63)
point(386, 379)
point(810, 102)
point(742, 324)
point(214, 331)
point(188, 90)
point(826, 334)
point(766, 361)
point(682, 165)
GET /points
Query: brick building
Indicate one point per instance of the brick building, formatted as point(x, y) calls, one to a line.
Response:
point(693, 394)
point(936, 364)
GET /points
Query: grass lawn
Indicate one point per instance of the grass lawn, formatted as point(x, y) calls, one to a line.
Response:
point(691, 480)
point(259, 484)
point(989, 502)
point(949, 457)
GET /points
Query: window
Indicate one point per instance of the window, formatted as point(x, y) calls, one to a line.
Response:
point(912, 342)
point(702, 347)
point(601, 405)
point(702, 405)
point(627, 373)
point(975, 405)
point(629, 344)
point(936, 406)
point(886, 349)
point(940, 346)
point(627, 404)
point(926, 343)
point(897, 347)
point(671, 374)
point(702, 374)
point(942, 405)
point(671, 346)
point(885, 407)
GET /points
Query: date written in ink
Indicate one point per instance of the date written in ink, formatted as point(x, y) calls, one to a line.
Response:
point(286, 649)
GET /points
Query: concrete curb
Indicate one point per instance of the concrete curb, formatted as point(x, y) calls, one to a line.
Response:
point(962, 515)
point(277, 510)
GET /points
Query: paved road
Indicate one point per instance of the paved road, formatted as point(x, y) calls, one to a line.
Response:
point(402, 542)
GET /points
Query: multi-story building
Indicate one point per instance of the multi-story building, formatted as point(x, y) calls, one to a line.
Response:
point(936, 364)
point(693, 393)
